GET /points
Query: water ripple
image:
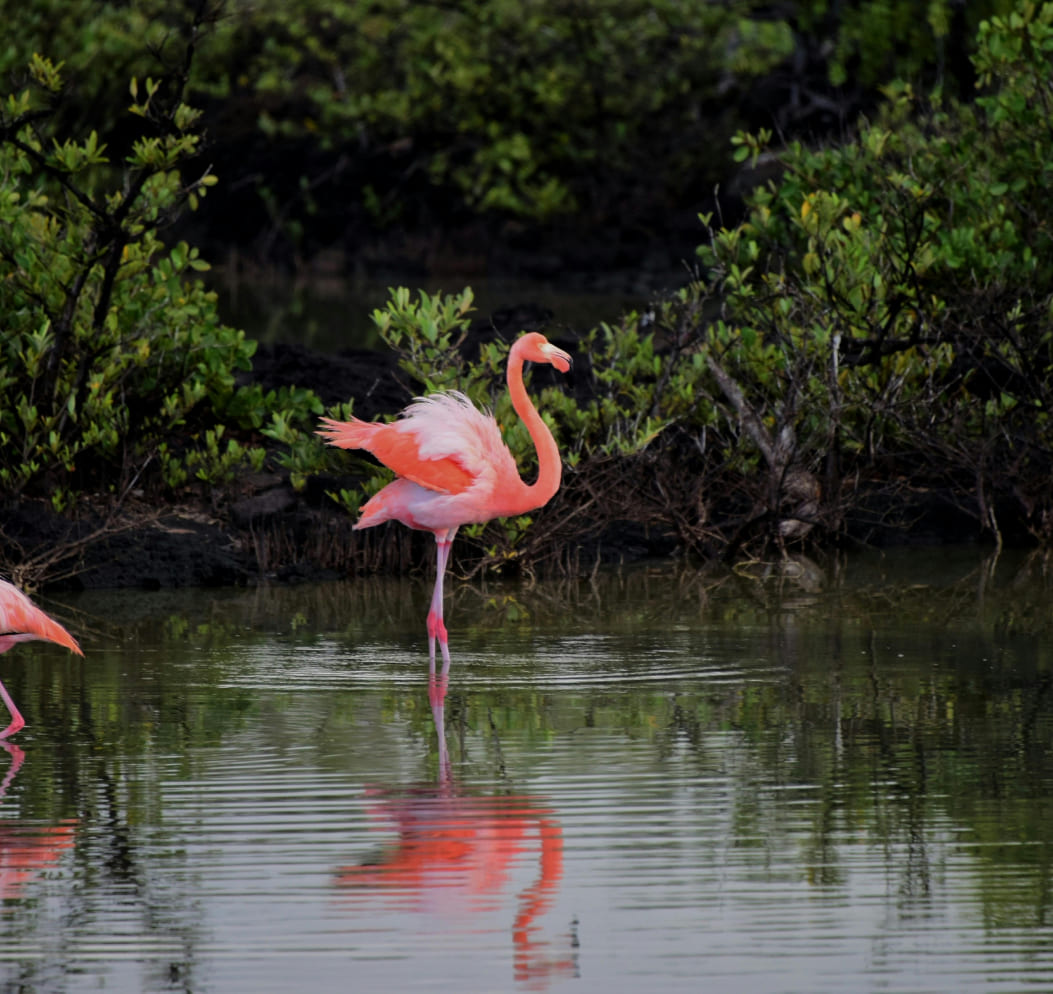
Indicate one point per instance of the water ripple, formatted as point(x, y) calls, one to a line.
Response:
point(763, 808)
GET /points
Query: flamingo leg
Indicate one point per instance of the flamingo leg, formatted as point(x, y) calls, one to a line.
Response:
point(436, 626)
point(17, 721)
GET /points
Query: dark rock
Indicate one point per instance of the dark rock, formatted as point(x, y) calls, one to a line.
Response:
point(262, 507)
point(174, 551)
point(370, 378)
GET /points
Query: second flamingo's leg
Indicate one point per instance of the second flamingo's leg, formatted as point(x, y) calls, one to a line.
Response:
point(436, 626)
point(17, 721)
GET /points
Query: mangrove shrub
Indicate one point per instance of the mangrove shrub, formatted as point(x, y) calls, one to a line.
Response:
point(885, 308)
point(116, 369)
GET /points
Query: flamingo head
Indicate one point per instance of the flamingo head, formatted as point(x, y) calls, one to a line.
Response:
point(535, 347)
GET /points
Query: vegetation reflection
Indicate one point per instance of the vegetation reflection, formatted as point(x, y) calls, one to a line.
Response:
point(911, 718)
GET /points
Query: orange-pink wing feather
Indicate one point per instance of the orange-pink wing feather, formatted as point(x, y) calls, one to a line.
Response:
point(21, 619)
point(399, 451)
point(437, 443)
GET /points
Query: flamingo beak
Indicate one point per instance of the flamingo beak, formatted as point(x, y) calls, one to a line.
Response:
point(560, 359)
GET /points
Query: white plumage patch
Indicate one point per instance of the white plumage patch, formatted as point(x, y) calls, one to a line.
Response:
point(449, 425)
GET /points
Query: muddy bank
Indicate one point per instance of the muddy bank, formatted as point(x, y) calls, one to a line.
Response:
point(263, 530)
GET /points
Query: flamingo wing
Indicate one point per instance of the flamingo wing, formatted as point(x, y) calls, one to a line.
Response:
point(442, 443)
point(401, 452)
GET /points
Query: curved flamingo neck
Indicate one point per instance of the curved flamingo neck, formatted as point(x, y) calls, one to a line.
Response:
point(550, 466)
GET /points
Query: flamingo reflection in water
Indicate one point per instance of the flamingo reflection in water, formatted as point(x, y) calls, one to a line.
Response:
point(456, 851)
point(27, 849)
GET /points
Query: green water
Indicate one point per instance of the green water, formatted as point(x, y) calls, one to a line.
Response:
point(657, 779)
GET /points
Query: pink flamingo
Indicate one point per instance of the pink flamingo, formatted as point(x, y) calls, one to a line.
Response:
point(454, 468)
point(20, 621)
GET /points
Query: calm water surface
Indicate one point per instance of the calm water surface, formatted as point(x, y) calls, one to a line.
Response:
point(655, 781)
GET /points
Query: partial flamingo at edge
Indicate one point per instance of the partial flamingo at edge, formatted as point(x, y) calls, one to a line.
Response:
point(21, 621)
